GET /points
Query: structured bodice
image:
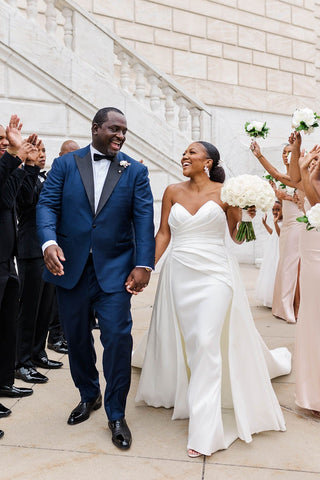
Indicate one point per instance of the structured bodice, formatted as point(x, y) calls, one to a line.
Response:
point(198, 240)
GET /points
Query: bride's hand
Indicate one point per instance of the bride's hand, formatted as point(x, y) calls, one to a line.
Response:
point(252, 211)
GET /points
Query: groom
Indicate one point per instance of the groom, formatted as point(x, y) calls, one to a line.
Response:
point(95, 225)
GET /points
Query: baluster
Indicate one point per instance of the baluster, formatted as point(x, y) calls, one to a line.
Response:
point(140, 92)
point(32, 10)
point(195, 123)
point(124, 69)
point(169, 104)
point(154, 92)
point(51, 20)
point(183, 113)
point(68, 27)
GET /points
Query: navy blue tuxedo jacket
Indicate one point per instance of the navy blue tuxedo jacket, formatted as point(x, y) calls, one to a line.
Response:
point(121, 231)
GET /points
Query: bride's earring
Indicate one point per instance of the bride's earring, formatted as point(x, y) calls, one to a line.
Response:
point(206, 169)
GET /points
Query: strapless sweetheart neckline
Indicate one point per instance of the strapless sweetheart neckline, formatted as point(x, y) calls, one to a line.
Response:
point(200, 208)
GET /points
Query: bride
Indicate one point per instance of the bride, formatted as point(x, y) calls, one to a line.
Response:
point(204, 356)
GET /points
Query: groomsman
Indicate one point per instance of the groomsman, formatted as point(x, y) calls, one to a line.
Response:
point(36, 295)
point(95, 222)
point(11, 179)
point(56, 338)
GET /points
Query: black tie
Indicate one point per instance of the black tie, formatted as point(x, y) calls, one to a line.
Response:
point(97, 157)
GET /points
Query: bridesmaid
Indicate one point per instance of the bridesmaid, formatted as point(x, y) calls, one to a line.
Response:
point(268, 269)
point(286, 296)
point(307, 351)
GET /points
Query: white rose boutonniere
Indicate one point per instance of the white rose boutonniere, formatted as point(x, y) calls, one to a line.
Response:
point(124, 164)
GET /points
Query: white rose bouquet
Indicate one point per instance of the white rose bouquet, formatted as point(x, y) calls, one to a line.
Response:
point(305, 119)
point(312, 218)
point(256, 129)
point(245, 191)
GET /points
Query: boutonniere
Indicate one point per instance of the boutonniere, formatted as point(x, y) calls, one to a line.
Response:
point(124, 163)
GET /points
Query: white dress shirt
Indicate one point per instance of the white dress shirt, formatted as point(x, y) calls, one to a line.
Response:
point(100, 170)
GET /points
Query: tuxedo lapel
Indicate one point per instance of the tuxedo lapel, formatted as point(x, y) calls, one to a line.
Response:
point(85, 169)
point(114, 174)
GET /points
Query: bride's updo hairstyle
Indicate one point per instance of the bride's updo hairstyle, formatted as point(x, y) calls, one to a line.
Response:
point(216, 173)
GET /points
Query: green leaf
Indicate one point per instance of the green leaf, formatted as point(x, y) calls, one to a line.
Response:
point(303, 219)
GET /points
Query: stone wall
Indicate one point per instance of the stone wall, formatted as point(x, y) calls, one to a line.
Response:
point(248, 54)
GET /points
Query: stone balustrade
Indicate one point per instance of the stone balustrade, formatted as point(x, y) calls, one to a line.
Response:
point(133, 74)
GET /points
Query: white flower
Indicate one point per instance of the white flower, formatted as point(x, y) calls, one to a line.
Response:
point(124, 163)
point(250, 127)
point(290, 190)
point(314, 216)
point(247, 190)
point(258, 125)
point(304, 117)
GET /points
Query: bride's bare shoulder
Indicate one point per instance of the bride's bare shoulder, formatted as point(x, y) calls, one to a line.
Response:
point(175, 188)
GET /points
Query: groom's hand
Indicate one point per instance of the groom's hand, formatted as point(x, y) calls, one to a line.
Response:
point(52, 256)
point(137, 280)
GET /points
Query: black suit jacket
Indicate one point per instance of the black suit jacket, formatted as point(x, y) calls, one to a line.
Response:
point(27, 199)
point(11, 179)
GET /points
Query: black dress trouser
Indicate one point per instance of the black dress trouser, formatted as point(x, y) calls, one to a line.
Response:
point(9, 305)
point(35, 309)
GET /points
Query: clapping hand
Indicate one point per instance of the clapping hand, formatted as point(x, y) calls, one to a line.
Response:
point(28, 152)
point(13, 132)
point(307, 159)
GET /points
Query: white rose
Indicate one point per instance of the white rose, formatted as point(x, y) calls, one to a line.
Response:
point(249, 127)
point(258, 125)
point(314, 216)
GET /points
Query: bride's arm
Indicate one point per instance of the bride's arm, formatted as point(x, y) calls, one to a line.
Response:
point(163, 236)
point(234, 216)
point(233, 219)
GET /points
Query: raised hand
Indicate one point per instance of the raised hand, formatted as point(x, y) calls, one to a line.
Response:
point(306, 159)
point(25, 150)
point(295, 140)
point(13, 132)
point(254, 147)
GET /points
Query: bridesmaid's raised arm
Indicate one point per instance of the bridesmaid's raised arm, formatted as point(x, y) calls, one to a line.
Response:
point(281, 177)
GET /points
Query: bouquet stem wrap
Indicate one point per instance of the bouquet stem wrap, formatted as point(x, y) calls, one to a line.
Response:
point(245, 230)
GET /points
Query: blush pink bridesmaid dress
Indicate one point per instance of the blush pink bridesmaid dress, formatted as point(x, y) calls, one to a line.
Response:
point(307, 350)
point(287, 272)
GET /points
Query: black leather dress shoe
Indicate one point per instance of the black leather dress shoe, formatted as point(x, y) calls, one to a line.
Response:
point(30, 375)
point(44, 362)
point(121, 435)
point(12, 391)
point(1, 433)
point(83, 410)
point(60, 346)
point(4, 411)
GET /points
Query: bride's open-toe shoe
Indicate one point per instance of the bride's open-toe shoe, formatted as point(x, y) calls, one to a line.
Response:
point(193, 453)
point(315, 413)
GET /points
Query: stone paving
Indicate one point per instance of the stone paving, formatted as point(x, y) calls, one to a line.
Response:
point(39, 445)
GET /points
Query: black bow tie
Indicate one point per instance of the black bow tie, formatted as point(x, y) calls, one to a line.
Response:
point(97, 157)
point(43, 174)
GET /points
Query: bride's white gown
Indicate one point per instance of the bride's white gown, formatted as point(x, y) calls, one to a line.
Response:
point(204, 356)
